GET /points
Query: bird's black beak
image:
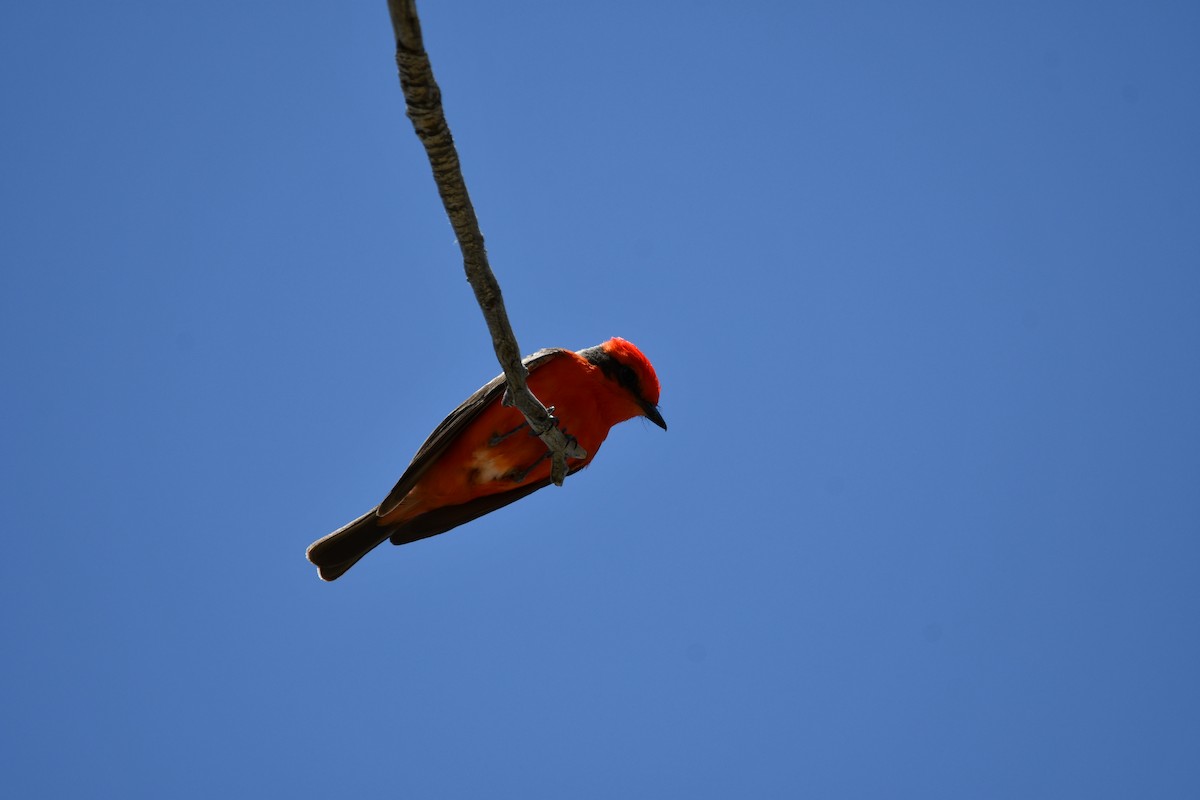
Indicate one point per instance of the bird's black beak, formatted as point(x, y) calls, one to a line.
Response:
point(651, 413)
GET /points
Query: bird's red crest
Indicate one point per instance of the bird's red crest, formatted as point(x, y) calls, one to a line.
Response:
point(627, 353)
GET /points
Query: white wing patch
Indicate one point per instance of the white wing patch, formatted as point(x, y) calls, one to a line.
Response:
point(489, 465)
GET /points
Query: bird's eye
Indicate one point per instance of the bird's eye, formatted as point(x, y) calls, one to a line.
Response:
point(629, 379)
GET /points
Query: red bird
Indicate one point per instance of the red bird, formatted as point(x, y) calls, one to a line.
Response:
point(484, 455)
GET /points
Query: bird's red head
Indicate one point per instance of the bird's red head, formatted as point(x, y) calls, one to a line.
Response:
point(622, 362)
point(626, 352)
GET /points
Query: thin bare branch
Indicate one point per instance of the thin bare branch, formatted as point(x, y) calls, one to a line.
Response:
point(424, 102)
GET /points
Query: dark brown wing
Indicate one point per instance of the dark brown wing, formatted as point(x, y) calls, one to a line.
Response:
point(449, 428)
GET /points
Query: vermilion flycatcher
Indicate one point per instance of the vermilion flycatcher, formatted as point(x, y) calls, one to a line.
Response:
point(484, 455)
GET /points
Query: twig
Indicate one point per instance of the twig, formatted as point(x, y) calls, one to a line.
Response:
point(424, 101)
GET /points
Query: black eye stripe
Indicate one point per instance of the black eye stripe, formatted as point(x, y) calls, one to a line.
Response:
point(629, 379)
point(621, 373)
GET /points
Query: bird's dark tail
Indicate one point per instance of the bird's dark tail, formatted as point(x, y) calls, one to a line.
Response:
point(340, 550)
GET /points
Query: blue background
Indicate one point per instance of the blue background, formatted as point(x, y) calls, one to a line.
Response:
point(922, 285)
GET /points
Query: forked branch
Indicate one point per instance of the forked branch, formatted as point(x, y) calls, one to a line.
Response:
point(424, 102)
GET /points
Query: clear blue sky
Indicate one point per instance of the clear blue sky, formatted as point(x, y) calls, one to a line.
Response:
point(922, 284)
